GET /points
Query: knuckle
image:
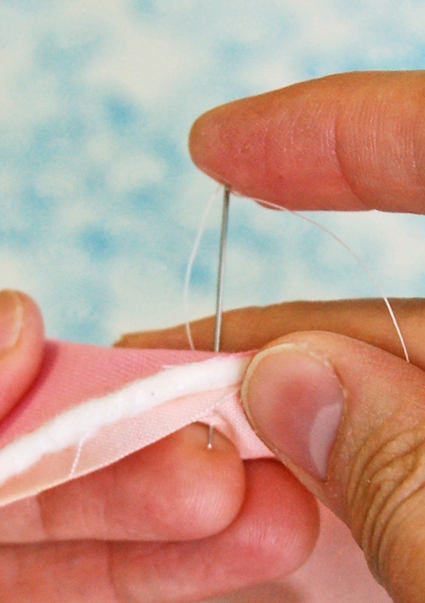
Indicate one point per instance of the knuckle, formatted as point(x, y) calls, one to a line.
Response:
point(386, 490)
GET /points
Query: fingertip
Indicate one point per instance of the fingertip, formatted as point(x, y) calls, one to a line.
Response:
point(197, 139)
point(320, 145)
point(126, 340)
point(210, 482)
point(171, 338)
point(23, 342)
point(174, 490)
point(206, 140)
point(33, 332)
point(288, 518)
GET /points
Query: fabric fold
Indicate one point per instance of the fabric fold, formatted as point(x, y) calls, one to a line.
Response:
point(91, 406)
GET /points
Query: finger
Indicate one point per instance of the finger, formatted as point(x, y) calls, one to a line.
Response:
point(364, 319)
point(176, 489)
point(272, 536)
point(346, 142)
point(349, 420)
point(21, 347)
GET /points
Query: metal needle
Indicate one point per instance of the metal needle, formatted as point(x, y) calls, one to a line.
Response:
point(220, 285)
point(221, 267)
point(210, 437)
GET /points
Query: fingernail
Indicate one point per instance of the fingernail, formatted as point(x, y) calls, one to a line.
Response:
point(11, 319)
point(295, 403)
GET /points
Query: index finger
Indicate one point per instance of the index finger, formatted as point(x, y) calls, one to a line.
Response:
point(352, 141)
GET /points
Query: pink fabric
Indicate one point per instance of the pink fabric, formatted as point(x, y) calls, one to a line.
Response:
point(74, 373)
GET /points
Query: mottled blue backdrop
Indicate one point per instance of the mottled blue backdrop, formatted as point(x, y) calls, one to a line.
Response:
point(99, 202)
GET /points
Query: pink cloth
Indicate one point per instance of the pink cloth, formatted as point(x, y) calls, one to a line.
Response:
point(81, 390)
point(73, 374)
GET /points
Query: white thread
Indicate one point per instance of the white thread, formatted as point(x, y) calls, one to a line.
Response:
point(77, 458)
point(358, 260)
point(78, 424)
point(306, 219)
point(189, 268)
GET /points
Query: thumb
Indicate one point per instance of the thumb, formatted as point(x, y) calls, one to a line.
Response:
point(349, 420)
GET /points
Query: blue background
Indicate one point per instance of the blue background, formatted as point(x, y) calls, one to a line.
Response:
point(99, 202)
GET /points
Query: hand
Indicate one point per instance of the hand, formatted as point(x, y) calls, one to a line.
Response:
point(156, 526)
point(339, 406)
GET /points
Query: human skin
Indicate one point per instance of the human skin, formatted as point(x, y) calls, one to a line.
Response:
point(345, 142)
point(59, 544)
point(160, 525)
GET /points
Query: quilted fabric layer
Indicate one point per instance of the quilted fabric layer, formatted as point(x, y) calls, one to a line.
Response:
point(91, 406)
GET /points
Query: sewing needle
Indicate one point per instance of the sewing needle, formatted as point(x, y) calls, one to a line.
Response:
point(221, 267)
point(220, 283)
